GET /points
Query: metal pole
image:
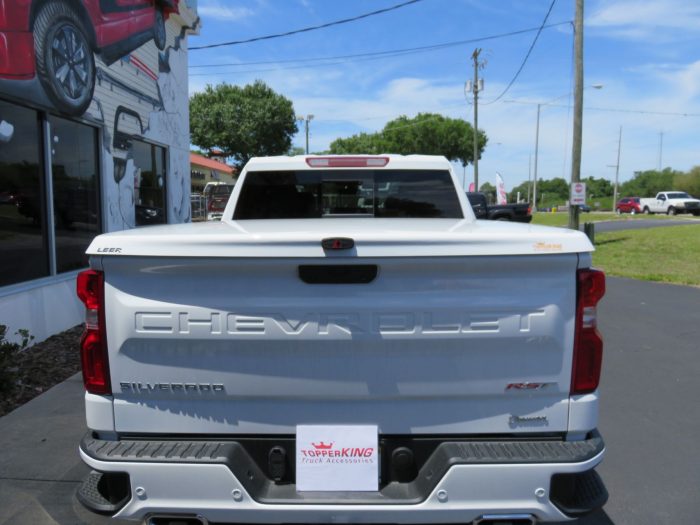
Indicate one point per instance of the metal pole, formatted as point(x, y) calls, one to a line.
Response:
point(537, 146)
point(578, 109)
point(306, 122)
point(661, 147)
point(529, 177)
point(617, 168)
point(475, 56)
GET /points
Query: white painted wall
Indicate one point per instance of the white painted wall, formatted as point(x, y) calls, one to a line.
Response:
point(48, 306)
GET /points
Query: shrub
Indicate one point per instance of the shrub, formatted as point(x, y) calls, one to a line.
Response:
point(8, 356)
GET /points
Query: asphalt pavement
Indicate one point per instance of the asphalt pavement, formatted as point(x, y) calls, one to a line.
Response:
point(650, 420)
point(636, 224)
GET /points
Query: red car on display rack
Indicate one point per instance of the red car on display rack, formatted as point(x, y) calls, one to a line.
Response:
point(628, 205)
point(56, 40)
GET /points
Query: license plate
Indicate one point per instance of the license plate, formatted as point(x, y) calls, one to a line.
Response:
point(332, 458)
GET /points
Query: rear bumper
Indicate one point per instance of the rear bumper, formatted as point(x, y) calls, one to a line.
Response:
point(460, 482)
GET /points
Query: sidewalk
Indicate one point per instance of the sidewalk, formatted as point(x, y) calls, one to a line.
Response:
point(40, 468)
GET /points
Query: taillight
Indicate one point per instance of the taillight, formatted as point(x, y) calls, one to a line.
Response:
point(588, 344)
point(347, 162)
point(93, 344)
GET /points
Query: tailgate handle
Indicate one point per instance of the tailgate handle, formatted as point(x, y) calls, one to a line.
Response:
point(337, 273)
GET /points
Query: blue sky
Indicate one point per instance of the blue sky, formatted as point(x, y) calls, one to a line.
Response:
point(645, 54)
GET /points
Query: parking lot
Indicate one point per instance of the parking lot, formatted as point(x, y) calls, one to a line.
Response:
point(650, 419)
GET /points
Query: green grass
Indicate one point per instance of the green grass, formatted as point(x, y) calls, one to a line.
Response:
point(670, 254)
point(562, 218)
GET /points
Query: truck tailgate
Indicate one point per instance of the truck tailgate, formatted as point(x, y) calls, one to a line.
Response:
point(458, 345)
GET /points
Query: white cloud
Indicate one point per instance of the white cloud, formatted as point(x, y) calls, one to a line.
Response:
point(221, 11)
point(651, 19)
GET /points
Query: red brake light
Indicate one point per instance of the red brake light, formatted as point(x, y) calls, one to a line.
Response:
point(347, 162)
point(93, 344)
point(588, 344)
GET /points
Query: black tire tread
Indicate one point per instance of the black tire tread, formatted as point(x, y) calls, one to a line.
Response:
point(52, 12)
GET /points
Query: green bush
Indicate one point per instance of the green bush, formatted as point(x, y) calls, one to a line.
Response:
point(8, 353)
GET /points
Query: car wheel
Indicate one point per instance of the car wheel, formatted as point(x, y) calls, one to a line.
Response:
point(672, 210)
point(159, 35)
point(502, 219)
point(65, 63)
point(645, 211)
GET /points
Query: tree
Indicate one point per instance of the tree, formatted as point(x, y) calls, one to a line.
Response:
point(649, 183)
point(598, 187)
point(243, 122)
point(427, 134)
point(688, 182)
point(489, 190)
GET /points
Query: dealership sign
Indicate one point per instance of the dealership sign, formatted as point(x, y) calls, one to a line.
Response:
point(578, 193)
point(337, 458)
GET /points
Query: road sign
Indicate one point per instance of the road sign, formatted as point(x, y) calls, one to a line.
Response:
point(578, 193)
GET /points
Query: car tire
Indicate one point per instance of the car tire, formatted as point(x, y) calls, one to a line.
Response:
point(68, 80)
point(502, 219)
point(671, 211)
point(159, 34)
point(645, 211)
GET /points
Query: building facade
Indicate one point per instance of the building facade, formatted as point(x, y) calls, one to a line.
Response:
point(204, 170)
point(94, 137)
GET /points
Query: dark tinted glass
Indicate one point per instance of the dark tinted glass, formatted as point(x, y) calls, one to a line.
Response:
point(355, 193)
point(149, 183)
point(23, 250)
point(75, 190)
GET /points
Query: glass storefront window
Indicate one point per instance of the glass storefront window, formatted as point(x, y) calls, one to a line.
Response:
point(23, 243)
point(149, 183)
point(76, 193)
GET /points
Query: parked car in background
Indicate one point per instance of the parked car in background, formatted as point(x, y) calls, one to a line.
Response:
point(628, 205)
point(217, 197)
point(521, 212)
point(671, 203)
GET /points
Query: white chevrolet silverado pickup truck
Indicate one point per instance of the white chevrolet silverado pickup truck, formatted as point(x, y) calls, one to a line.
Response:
point(671, 203)
point(348, 345)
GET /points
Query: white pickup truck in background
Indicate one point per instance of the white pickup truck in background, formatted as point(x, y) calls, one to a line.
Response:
point(671, 202)
point(233, 368)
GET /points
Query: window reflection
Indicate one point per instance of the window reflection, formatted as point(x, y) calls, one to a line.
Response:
point(23, 247)
point(149, 183)
point(75, 191)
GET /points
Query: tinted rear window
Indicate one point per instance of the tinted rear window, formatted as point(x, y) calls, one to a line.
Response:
point(353, 193)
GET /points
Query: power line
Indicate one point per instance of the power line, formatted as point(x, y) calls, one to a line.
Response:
point(307, 29)
point(398, 52)
point(612, 110)
point(529, 51)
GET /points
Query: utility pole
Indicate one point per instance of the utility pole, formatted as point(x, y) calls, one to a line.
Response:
point(306, 121)
point(537, 146)
point(617, 168)
point(477, 86)
point(529, 177)
point(661, 147)
point(578, 108)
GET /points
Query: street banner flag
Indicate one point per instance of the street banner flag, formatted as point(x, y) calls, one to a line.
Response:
point(471, 187)
point(501, 190)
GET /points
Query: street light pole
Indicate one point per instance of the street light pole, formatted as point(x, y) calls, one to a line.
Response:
point(537, 147)
point(306, 121)
point(617, 168)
